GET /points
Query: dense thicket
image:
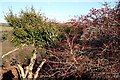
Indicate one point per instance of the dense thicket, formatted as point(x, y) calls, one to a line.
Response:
point(85, 48)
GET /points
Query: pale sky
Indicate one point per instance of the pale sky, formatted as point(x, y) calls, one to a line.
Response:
point(60, 11)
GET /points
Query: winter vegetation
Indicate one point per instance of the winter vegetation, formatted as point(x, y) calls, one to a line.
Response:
point(85, 48)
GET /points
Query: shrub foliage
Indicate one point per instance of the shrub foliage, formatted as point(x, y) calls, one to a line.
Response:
point(85, 48)
point(31, 27)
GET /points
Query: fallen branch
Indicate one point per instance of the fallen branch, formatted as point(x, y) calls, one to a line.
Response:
point(11, 52)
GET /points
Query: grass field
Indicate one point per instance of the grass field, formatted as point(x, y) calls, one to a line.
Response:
point(5, 28)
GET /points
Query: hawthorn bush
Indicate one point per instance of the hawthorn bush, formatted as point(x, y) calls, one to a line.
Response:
point(90, 47)
point(85, 48)
point(31, 28)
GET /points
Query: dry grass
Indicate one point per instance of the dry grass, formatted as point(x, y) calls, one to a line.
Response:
point(21, 55)
point(5, 28)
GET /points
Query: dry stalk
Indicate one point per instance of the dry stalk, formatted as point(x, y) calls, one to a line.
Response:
point(71, 46)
